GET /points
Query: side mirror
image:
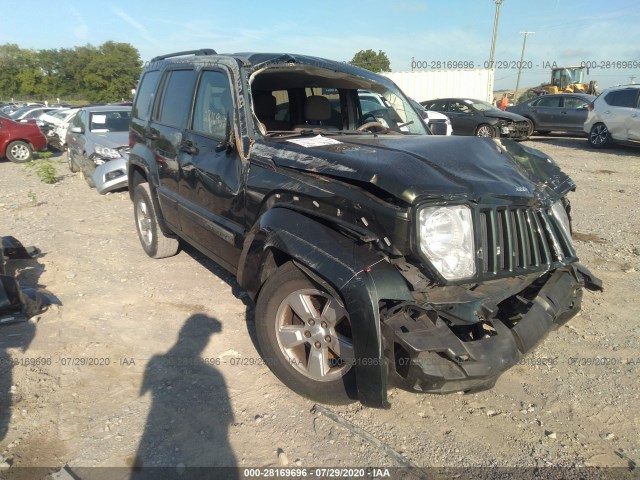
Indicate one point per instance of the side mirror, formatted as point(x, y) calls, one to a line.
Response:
point(75, 130)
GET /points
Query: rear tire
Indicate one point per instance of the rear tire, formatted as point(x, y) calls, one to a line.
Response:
point(19, 152)
point(154, 242)
point(599, 136)
point(304, 335)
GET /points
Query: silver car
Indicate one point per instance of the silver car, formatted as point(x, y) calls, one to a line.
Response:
point(98, 145)
point(614, 116)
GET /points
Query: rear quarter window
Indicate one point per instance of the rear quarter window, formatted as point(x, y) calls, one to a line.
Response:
point(145, 95)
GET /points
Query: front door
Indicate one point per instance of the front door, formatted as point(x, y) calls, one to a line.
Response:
point(211, 212)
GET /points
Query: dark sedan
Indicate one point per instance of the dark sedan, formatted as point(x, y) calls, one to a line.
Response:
point(564, 112)
point(475, 117)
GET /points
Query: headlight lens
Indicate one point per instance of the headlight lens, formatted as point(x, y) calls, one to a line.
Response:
point(560, 214)
point(446, 239)
point(106, 152)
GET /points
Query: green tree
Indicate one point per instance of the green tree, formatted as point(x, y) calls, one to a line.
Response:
point(10, 66)
point(100, 74)
point(376, 62)
point(112, 72)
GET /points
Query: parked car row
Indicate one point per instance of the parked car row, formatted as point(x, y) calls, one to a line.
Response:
point(613, 116)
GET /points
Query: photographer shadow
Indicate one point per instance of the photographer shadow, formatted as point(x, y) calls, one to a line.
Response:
point(187, 427)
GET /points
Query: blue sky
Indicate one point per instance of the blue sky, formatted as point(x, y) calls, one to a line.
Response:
point(567, 31)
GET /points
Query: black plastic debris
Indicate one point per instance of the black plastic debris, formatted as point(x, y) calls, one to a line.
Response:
point(17, 303)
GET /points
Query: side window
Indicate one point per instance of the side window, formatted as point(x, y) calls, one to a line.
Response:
point(176, 99)
point(282, 105)
point(574, 102)
point(78, 121)
point(145, 95)
point(437, 106)
point(623, 98)
point(549, 102)
point(213, 103)
point(459, 107)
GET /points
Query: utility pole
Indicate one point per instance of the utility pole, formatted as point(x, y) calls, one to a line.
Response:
point(495, 32)
point(524, 44)
point(632, 78)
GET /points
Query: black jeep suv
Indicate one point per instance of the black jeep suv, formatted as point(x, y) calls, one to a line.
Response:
point(373, 250)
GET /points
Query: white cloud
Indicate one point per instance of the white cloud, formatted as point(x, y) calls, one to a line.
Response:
point(142, 31)
point(80, 30)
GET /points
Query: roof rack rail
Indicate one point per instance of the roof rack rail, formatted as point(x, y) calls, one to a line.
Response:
point(202, 51)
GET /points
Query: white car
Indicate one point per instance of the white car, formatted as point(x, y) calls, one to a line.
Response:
point(438, 123)
point(57, 136)
point(614, 116)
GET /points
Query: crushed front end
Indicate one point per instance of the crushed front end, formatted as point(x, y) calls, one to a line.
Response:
point(517, 130)
point(492, 282)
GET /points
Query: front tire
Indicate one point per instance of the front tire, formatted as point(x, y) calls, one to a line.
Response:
point(87, 168)
point(531, 128)
point(19, 152)
point(485, 130)
point(154, 242)
point(73, 167)
point(304, 335)
point(599, 136)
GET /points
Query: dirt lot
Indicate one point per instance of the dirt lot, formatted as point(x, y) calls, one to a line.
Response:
point(131, 369)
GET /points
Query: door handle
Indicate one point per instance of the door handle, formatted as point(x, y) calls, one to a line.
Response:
point(606, 112)
point(634, 115)
point(187, 147)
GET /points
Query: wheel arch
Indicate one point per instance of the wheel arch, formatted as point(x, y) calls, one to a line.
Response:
point(142, 170)
point(351, 268)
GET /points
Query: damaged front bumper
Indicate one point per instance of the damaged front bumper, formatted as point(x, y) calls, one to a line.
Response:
point(427, 352)
point(111, 175)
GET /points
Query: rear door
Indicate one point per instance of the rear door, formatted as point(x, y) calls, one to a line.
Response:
point(620, 114)
point(165, 136)
point(634, 121)
point(210, 187)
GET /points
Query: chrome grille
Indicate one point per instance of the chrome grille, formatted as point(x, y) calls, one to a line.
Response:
point(520, 240)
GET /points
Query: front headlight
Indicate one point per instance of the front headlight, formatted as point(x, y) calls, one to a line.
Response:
point(446, 239)
point(106, 152)
point(560, 214)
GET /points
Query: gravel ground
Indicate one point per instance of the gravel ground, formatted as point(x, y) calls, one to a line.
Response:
point(131, 370)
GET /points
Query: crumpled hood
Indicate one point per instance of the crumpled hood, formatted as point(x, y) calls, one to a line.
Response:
point(504, 115)
point(413, 168)
point(110, 139)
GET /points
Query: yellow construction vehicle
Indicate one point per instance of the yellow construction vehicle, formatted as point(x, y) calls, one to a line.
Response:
point(568, 80)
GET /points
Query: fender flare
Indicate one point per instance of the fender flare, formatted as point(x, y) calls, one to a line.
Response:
point(354, 270)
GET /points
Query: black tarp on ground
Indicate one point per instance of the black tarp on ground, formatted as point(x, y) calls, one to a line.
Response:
point(18, 303)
